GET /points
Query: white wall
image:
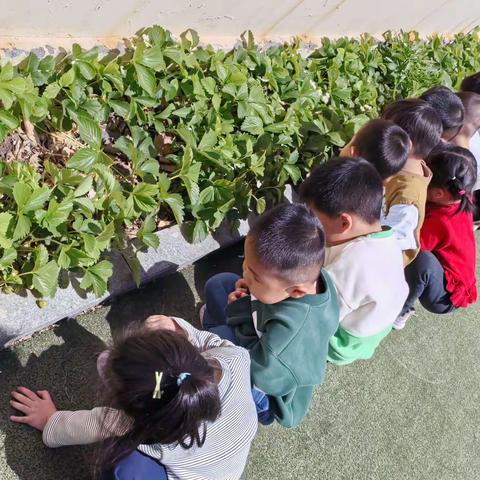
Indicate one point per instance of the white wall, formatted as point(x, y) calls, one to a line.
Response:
point(30, 23)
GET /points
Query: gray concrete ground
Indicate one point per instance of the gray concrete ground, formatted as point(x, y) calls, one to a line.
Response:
point(413, 412)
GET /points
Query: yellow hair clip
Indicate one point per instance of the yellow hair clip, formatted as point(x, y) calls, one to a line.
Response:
point(157, 393)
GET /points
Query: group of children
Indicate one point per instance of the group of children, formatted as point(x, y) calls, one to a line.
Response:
point(387, 223)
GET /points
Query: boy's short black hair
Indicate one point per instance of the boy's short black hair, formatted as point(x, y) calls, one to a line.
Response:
point(420, 120)
point(471, 104)
point(448, 106)
point(289, 241)
point(471, 83)
point(345, 185)
point(384, 144)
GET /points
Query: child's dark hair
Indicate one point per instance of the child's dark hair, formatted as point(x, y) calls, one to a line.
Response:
point(289, 241)
point(471, 104)
point(471, 83)
point(345, 185)
point(420, 120)
point(179, 416)
point(449, 107)
point(454, 169)
point(384, 144)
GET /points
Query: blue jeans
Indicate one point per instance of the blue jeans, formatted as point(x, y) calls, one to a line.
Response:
point(217, 290)
point(136, 466)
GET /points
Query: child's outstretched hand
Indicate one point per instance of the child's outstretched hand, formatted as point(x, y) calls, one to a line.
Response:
point(38, 407)
point(159, 322)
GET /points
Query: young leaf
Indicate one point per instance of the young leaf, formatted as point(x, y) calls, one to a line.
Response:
point(96, 277)
point(261, 205)
point(84, 187)
point(56, 215)
point(153, 58)
point(146, 79)
point(253, 125)
point(8, 257)
point(293, 172)
point(104, 238)
point(196, 231)
point(89, 131)
point(208, 140)
point(67, 78)
point(86, 70)
point(175, 202)
point(144, 197)
point(9, 120)
point(5, 219)
point(150, 240)
point(22, 228)
point(21, 194)
point(45, 279)
point(52, 91)
point(120, 107)
point(36, 200)
point(83, 160)
point(41, 256)
point(209, 85)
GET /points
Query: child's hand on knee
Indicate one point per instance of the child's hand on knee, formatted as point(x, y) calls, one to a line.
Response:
point(37, 407)
point(241, 284)
point(237, 294)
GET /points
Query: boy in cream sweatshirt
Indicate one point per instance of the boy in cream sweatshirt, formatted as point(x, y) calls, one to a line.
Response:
point(363, 259)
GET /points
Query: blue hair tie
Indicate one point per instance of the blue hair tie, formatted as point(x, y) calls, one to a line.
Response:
point(181, 378)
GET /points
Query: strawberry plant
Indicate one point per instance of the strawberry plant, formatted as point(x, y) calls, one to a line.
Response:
point(98, 149)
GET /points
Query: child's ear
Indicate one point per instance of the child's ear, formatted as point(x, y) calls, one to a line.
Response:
point(296, 291)
point(354, 151)
point(346, 222)
point(347, 150)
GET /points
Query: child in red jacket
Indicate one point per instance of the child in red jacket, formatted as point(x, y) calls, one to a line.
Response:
point(442, 276)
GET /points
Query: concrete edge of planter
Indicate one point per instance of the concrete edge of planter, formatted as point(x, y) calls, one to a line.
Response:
point(20, 316)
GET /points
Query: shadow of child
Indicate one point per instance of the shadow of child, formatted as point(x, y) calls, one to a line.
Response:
point(170, 295)
point(68, 371)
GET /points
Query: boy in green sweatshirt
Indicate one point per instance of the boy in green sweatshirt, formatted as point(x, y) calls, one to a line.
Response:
point(284, 311)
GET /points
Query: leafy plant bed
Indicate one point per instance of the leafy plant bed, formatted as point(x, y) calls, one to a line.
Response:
point(98, 149)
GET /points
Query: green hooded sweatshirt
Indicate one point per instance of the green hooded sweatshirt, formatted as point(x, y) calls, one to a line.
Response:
point(289, 353)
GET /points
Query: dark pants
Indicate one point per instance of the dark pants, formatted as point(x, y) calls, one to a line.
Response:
point(476, 201)
point(217, 290)
point(136, 466)
point(426, 279)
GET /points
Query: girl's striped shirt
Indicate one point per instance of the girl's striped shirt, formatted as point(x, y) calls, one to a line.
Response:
point(224, 453)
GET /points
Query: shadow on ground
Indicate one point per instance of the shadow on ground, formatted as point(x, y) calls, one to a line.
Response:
point(179, 294)
point(67, 369)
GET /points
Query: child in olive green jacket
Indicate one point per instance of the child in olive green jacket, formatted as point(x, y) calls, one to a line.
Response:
point(284, 311)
